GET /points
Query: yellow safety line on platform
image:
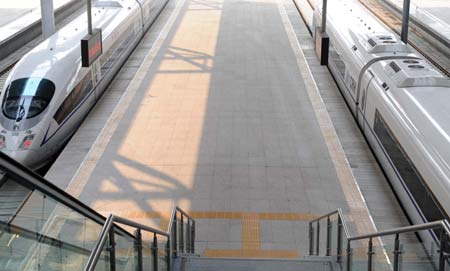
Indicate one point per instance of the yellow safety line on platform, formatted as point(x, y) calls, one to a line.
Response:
point(247, 253)
point(221, 215)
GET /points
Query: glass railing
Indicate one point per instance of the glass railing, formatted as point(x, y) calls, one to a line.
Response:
point(44, 228)
point(419, 247)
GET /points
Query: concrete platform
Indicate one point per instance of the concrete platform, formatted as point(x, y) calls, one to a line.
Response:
point(218, 111)
point(18, 15)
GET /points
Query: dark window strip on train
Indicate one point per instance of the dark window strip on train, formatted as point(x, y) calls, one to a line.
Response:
point(85, 86)
point(108, 59)
point(74, 98)
point(407, 171)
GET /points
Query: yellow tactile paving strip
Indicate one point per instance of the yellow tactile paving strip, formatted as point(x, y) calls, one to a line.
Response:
point(250, 232)
point(251, 243)
point(248, 253)
point(218, 215)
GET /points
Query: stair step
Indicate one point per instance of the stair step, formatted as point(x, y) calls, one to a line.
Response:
point(243, 264)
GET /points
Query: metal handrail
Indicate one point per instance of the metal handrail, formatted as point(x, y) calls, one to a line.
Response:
point(444, 225)
point(108, 231)
point(400, 230)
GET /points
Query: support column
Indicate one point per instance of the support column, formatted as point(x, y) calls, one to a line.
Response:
point(405, 20)
point(48, 18)
point(89, 16)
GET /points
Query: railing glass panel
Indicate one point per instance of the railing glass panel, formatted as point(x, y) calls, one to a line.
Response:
point(104, 262)
point(147, 252)
point(382, 256)
point(43, 234)
point(359, 255)
point(125, 253)
point(333, 239)
point(416, 255)
point(162, 254)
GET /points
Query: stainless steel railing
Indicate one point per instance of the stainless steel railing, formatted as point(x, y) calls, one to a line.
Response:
point(178, 240)
point(341, 235)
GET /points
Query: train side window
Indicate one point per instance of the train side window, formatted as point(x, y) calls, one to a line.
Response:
point(408, 172)
point(74, 98)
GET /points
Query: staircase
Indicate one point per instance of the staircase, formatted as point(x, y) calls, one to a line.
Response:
point(68, 235)
point(195, 263)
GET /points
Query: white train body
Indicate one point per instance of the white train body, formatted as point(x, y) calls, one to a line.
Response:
point(48, 94)
point(401, 103)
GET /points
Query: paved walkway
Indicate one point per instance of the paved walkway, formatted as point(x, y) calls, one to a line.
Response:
point(224, 119)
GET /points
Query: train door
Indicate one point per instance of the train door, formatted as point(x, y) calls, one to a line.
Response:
point(362, 98)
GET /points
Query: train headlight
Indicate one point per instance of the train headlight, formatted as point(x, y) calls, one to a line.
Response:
point(2, 142)
point(26, 142)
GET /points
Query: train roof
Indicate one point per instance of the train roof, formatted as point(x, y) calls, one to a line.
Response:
point(426, 110)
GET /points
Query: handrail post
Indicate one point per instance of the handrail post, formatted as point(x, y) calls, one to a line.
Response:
point(339, 240)
point(311, 239)
point(396, 252)
point(193, 237)
point(155, 252)
point(318, 237)
point(112, 249)
point(182, 234)
point(188, 235)
point(168, 253)
point(349, 253)
point(442, 246)
point(369, 255)
point(175, 232)
point(139, 248)
point(329, 226)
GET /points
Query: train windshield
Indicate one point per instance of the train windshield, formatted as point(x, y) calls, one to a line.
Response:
point(27, 98)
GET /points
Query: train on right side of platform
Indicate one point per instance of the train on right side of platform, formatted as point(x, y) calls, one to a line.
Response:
point(401, 103)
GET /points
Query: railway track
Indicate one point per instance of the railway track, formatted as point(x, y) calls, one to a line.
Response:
point(416, 36)
point(4, 75)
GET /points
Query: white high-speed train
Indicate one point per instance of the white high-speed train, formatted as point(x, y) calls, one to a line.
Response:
point(401, 103)
point(48, 93)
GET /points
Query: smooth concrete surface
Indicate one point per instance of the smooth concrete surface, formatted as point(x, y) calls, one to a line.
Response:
point(223, 118)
